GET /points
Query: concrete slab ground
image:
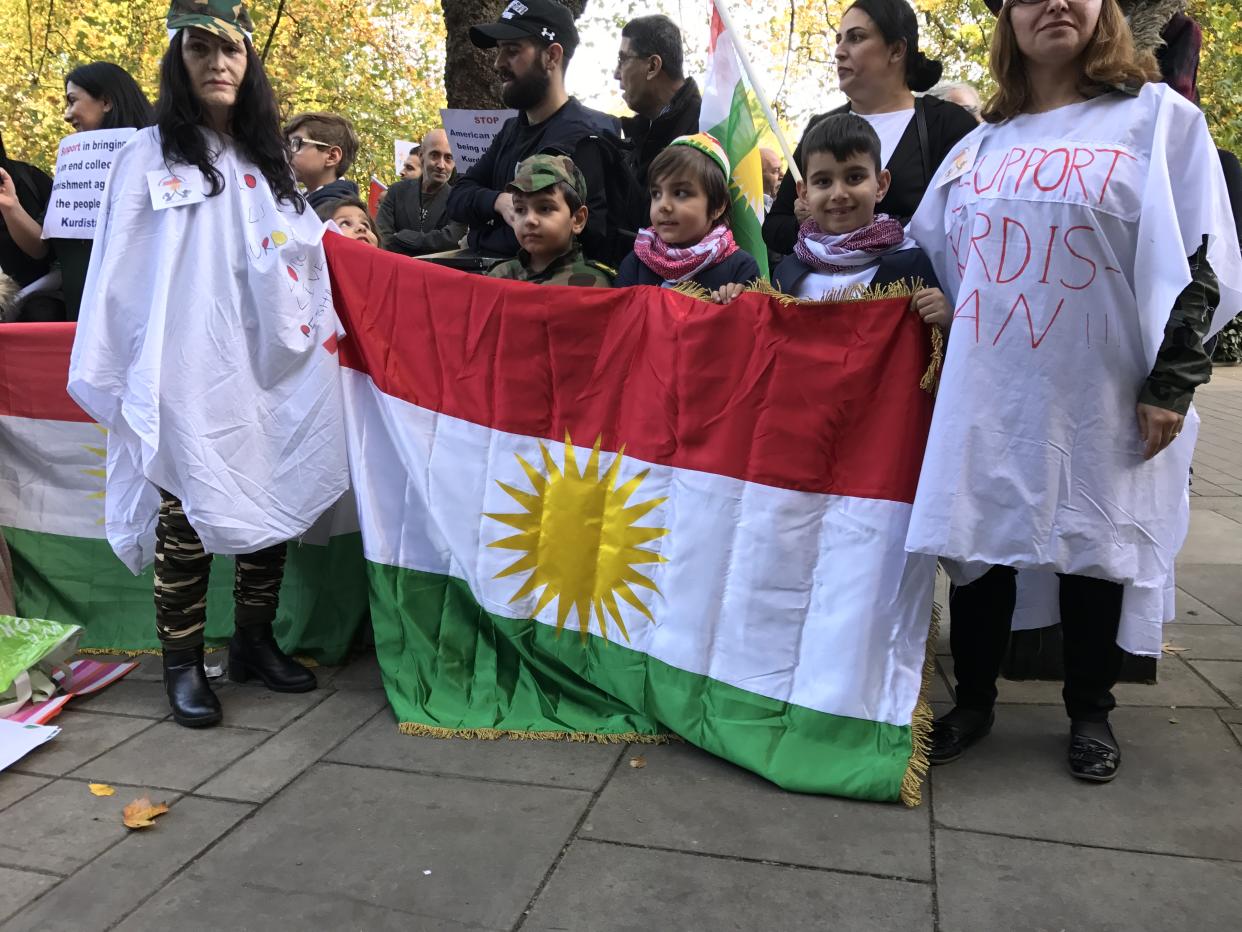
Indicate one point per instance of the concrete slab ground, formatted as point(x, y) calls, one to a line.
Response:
point(312, 812)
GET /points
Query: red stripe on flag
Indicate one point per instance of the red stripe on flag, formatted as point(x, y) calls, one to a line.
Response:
point(717, 28)
point(375, 194)
point(34, 370)
point(813, 399)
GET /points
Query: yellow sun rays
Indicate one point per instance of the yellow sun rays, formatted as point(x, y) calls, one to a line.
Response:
point(97, 473)
point(578, 539)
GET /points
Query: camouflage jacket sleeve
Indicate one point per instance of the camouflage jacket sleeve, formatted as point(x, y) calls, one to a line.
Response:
point(1183, 364)
point(511, 269)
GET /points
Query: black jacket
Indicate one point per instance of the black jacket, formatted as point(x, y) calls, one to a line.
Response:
point(332, 191)
point(904, 265)
point(472, 198)
point(34, 190)
point(740, 267)
point(946, 124)
point(680, 118)
point(403, 227)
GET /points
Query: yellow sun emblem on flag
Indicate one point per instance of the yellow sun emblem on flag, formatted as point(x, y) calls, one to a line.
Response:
point(579, 540)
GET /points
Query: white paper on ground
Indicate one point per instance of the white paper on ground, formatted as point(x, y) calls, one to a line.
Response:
point(18, 739)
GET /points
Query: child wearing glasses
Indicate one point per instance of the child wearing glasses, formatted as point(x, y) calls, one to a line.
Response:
point(322, 147)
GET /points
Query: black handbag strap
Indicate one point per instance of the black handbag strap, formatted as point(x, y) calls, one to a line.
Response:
point(920, 121)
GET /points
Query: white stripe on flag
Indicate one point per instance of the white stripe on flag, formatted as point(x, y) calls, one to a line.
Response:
point(51, 476)
point(795, 596)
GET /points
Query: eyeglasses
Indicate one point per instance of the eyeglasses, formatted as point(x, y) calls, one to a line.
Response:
point(623, 57)
point(1036, 2)
point(297, 142)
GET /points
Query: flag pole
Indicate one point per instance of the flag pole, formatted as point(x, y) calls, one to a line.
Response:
point(723, 10)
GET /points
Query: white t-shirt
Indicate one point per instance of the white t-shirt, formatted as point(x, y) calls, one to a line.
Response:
point(815, 285)
point(890, 127)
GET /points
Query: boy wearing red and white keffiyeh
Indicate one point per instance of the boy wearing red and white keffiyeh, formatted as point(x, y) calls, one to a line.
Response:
point(689, 239)
point(844, 243)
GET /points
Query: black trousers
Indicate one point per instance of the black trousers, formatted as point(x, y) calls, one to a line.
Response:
point(982, 612)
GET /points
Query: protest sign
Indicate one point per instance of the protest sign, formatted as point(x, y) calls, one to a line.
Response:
point(82, 163)
point(471, 132)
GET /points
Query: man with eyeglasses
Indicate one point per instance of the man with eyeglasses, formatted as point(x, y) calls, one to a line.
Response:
point(665, 102)
point(534, 41)
point(412, 219)
point(963, 94)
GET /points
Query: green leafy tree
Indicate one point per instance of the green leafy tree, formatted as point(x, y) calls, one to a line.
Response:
point(379, 62)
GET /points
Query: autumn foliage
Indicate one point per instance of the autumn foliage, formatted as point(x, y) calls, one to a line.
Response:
point(381, 62)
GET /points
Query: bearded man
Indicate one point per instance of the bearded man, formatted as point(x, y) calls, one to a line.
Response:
point(534, 40)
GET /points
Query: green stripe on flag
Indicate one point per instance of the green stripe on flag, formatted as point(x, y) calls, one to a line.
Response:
point(738, 133)
point(450, 667)
point(323, 599)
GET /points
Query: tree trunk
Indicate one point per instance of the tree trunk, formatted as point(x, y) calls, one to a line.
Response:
point(469, 82)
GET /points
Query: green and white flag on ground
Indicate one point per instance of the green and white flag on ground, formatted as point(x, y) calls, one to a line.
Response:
point(728, 114)
point(52, 464)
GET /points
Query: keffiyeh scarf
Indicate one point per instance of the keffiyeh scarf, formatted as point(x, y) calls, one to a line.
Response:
point(677, 264)
point(842, 252)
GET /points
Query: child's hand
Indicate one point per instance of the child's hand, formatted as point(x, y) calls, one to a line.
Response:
point(932, 306)
point(726, 293)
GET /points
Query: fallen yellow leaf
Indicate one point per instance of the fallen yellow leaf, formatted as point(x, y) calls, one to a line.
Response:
point(638, 762)
point(1171, 649)
point(101, 789)
point(142, 812)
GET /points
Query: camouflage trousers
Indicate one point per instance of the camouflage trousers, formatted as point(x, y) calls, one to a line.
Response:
point(182, 569)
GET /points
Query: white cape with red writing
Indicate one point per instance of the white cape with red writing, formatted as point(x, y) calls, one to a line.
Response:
point(1063, 247)
point(206, 346)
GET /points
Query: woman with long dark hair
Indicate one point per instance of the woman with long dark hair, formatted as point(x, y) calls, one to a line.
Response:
point(205, 346)
point(1085, 234)
point(880, 68)
point(98, 95)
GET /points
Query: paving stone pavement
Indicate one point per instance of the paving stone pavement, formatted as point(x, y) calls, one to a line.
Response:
point(312, 812)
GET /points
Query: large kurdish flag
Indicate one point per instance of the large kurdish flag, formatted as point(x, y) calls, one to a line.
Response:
point(52, 515)
point(596, 515)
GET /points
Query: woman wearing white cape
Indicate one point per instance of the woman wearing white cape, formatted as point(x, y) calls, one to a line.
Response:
point(206, 346)
point(1085, 235)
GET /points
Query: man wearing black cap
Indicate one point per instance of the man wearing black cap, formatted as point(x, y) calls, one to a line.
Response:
point(534, 40)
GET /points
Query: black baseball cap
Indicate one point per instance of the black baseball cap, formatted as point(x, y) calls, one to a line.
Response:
point(530, 19)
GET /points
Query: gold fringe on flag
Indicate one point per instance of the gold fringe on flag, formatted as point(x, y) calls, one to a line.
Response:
point(928, 382)
point(305, 661)
point(495, 734)
point(920, 728)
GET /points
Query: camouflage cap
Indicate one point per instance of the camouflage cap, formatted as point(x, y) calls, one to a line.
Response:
point(224, 18)
point(543, 171)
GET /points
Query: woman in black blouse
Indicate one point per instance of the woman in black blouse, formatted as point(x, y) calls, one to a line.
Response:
point(879, 67)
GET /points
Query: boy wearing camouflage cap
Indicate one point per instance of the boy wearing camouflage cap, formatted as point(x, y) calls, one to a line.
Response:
point(549, 204)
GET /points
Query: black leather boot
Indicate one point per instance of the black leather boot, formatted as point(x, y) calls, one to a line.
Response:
point(253, 652)
point(957, 730)
point(193, 703)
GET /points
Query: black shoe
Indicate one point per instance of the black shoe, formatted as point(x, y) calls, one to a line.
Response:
point(1093, 752)
point(957, 730)
point(253, 652)
point(193, 703)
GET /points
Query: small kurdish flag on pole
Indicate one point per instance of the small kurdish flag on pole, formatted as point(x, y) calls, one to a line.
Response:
point(607, 515)
point(727, 115)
